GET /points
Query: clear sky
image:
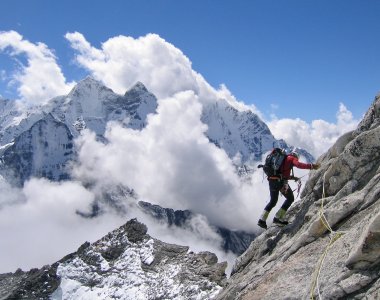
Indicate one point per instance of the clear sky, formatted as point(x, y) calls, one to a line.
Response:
point(293, 58)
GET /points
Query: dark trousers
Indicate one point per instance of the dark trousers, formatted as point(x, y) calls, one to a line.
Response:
point(275, 187)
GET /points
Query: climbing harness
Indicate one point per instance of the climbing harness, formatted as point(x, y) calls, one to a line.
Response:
point(334, 236)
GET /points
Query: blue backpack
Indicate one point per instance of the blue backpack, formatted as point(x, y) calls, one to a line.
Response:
point(273, 162)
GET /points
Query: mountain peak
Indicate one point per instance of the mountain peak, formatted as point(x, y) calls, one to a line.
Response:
point(137, 88)
point(89, 80)
point(88, 83)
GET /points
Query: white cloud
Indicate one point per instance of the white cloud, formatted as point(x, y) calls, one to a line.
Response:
point(40, 78)
point(316, 137)
point(124, 60)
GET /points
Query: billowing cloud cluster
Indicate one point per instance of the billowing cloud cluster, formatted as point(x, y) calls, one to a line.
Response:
point(124, 60)
point(40, 78)
point(163, 68)
point(171, 163)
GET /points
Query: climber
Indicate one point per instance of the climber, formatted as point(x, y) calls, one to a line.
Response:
point(279, 183)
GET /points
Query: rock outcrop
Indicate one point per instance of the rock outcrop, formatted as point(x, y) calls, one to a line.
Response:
point(125, 264)
point(331, 249)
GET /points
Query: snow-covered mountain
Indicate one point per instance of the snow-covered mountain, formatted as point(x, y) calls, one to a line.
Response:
point(240, 133)
point(125, 264)
point(92, 105)
point(39, 142)
point(89, 104)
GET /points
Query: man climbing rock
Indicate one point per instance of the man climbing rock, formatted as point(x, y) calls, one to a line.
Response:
point(278, 182)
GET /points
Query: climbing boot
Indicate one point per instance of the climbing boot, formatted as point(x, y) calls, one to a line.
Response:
point(262, 224)
point(280, 222)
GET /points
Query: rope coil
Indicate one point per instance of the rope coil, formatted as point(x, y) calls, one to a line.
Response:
point(334, 236)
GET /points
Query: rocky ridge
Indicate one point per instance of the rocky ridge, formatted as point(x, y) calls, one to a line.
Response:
point(315, 258)
point(125, 264)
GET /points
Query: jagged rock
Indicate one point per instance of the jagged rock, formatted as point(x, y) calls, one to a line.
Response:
point(135, 231)
point(35, 284)
point(285, 263)
point(125, 264)
point(367, 251)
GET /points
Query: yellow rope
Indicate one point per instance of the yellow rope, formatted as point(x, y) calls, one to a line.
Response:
point(333, 237)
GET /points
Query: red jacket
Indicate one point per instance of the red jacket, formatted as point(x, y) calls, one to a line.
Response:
point(288, 164)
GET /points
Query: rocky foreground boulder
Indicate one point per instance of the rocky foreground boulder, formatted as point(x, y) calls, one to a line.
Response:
point(125, 264)
point(331, 249)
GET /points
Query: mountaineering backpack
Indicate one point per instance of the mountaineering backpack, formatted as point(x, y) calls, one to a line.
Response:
point(273, 162)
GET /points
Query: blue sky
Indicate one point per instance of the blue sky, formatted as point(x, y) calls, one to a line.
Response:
point(294, 58)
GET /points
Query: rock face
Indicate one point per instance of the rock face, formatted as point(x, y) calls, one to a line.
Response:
point(333, 258)
point(44, 150)
point(125, 264)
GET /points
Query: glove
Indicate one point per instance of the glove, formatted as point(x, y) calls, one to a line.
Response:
point(315, 166)
point(285, 188)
